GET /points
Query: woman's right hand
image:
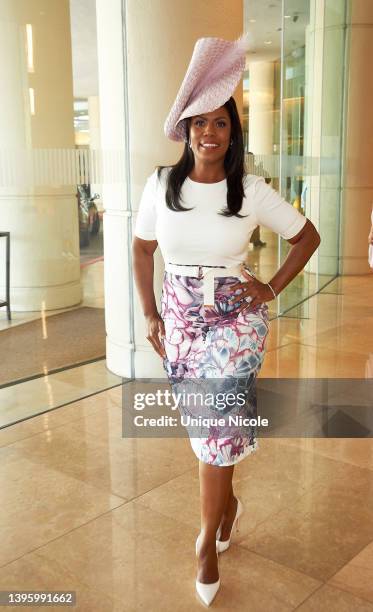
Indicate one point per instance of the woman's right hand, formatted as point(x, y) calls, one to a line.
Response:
point(156, 333)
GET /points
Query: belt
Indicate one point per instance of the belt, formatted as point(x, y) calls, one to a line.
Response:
point(208, 274)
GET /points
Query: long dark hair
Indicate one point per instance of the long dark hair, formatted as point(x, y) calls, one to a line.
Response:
point(234, 165)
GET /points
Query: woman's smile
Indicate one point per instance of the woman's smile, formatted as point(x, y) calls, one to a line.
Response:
point(209, 147)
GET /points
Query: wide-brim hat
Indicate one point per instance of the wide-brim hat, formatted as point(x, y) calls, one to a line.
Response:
point(212, 77)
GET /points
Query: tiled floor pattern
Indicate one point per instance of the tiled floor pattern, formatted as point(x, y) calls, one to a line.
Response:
point(115, 519)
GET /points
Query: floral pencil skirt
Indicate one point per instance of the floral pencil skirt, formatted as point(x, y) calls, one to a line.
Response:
point(214, 353)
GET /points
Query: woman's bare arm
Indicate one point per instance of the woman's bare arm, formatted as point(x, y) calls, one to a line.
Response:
point(143, 271)
point(304, 244)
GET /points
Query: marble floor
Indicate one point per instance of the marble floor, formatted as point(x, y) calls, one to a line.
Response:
point(32, 397)
point(49, 392)
point(115, 519)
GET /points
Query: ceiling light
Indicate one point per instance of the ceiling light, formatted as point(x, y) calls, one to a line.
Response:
point(29, 48)
point(267, 42)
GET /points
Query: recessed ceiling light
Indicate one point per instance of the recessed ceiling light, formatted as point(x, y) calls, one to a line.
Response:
point(252, 20)
point(267, 42)
point(287, 16)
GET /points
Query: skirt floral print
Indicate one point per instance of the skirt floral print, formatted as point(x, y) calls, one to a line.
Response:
point(220, 348)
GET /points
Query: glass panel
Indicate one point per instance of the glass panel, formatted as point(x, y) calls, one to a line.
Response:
point(312, 122)
point(293, 121)
point(295, 111)
point(50, 186)
point(261, 120)
point(331, 138)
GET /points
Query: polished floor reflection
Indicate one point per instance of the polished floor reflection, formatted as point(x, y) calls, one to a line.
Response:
point(116, 519)
point(32, 397)
point(37, 396)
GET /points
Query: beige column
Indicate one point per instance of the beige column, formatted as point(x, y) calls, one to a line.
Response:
point(36, 120)
point(161, 36)
point(114, 165)
point(261, 96)
point(357, 180)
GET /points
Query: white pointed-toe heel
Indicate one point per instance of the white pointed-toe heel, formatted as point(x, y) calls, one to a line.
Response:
point(197, 543)
point(221, 546)
point(206, 591)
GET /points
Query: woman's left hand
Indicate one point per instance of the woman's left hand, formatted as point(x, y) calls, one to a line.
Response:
point(254, 288)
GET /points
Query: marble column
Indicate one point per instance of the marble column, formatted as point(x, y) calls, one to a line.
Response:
point(357, 180)
point(36, 120)
point(261, 96)
point(115, 192)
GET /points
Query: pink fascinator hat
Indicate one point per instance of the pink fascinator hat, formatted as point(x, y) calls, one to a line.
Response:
point(211, 79)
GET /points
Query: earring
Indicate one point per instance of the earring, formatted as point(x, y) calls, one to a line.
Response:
point(231, 143)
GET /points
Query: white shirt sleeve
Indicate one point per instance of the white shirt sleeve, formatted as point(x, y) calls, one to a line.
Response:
point(146, 215)
point(275, 213)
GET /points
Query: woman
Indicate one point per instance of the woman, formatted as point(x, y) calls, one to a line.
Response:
point(213, 321)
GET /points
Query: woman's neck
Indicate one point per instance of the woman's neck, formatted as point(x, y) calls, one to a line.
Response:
point(207, 175)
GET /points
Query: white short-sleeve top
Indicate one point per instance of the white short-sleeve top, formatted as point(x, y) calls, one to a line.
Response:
point(203, 237)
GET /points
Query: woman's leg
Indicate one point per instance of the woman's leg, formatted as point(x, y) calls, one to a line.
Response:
point(215, 491)
point(228, 516)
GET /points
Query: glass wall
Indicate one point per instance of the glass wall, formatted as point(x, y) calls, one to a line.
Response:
point(331, 160)
point(293, 121)
point(261, 119)
point(53, 346)
point(56, 168)
point(296, 106)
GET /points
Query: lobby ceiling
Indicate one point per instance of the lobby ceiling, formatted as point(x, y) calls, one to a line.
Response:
point(266, 13)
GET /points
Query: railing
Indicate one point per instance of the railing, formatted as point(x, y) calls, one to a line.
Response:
point(58, 167)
